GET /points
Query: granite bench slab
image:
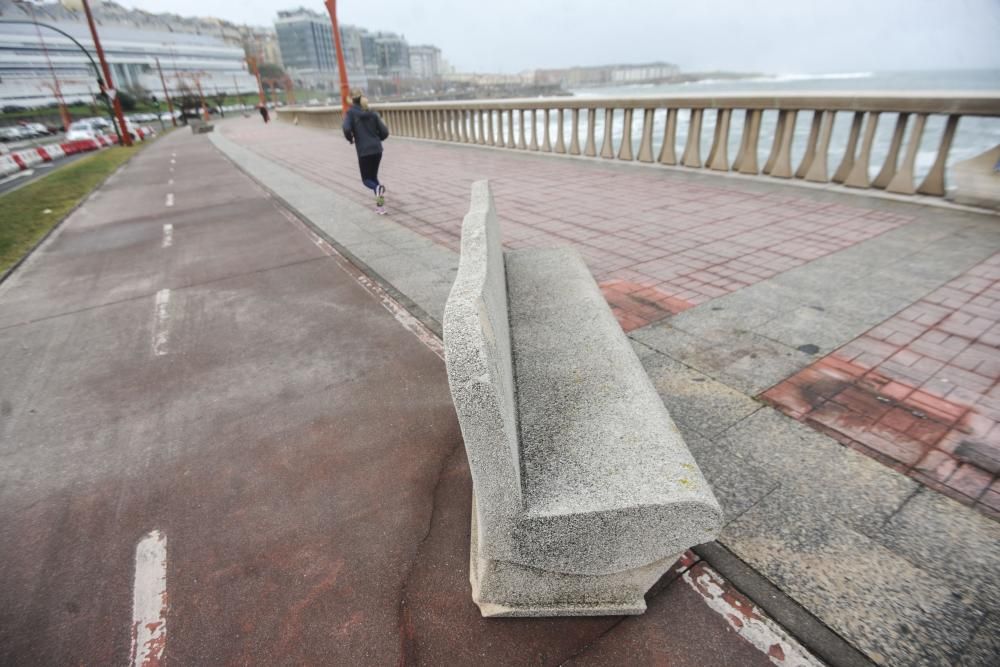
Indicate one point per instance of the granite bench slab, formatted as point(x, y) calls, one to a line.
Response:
point(584, 491)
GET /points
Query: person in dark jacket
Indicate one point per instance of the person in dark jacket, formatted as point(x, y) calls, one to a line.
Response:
point(364, 129)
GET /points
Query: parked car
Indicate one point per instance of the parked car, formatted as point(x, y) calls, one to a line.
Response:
point(42, 129)
point(81, 129)
point(11, 134)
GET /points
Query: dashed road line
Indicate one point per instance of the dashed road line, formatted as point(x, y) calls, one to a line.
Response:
point(161, 323)
point(170, 199)
point(149, 601)
point(168, 235)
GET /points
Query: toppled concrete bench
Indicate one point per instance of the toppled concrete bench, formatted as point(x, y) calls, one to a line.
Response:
point(200, 126)
point(584, 493)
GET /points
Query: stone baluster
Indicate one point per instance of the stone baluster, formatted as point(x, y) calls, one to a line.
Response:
point(892, 158)
point(511, 142)
point(902, 181)
point(590, 149)
point(933, 183)
point(481, 125)
point(546, 144)
point(847, 163)
point(607, 146)
point(646, 143)
point(521, 143)
point(811, 142)
point(490, 137)
point(816, 172)
point(574, 140)
point(668, 151)
point(692, 151)
point(718, 157)
point(625, 150)
point(560, 130)
point(782, 167)
point(858, 178)
point(449, 134)
point(534, 130)
point(746, 156)
point(498, 130)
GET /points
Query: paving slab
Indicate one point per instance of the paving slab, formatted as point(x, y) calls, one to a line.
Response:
point(883, 604)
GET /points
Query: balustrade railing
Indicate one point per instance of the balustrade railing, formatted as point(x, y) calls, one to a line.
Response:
point(821, 138)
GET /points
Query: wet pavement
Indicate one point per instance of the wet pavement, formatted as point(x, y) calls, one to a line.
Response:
point(186, 367)
point(826, 487)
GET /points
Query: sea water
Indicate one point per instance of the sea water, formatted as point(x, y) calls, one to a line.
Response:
point(974, 135)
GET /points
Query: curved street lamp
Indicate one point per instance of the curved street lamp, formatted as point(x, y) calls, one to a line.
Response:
point(97, 70)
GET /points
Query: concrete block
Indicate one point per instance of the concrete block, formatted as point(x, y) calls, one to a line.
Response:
point(585, 492)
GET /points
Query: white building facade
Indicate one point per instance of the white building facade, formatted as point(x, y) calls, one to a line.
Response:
point(30, 62)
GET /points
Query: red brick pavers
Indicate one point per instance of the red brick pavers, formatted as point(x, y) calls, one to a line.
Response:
point(919, 391)
point(656, 245)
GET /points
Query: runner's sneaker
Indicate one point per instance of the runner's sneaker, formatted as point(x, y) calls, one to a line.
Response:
point(380, 195)
point(380, 210)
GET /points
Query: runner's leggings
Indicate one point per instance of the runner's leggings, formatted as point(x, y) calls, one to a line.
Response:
point(369, 169)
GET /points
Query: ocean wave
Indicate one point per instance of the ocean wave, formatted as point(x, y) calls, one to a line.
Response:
point(815, 77)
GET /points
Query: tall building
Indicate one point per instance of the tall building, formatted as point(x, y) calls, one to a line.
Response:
point(392, 54)
point(261, 44)
point(425, 62)
point(306, 41)
point(188, 49)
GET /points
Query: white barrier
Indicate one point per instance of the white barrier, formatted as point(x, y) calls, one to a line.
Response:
point(30, 157)
point(55, 151)
point(8, 166)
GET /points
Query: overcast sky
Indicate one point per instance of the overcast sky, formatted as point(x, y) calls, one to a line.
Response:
point(772, 36)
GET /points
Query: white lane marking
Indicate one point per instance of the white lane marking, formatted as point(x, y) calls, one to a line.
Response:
point(173, 155)
point(149, 601)
point(170, 182)
point(168, 235)
point(173, 161)
point(170, 199)
point(162, 322)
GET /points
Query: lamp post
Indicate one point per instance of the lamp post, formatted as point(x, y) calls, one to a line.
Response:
point(255, 67)
point(107, 85)
point(345, 89)
point(97, 71)
point(166, 94)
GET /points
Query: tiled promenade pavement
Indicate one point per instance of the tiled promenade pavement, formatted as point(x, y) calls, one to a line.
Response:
point(655, 248)
point(660, 247)
point(803, 282)
point(919, 391)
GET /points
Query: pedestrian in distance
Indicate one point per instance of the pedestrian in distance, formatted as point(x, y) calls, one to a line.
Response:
point(364, 129)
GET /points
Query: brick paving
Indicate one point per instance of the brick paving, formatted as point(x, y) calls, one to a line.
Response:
point(920, 391)
point(656, 245)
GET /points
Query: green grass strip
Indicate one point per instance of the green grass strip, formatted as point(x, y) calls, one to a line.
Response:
point(28, 213)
